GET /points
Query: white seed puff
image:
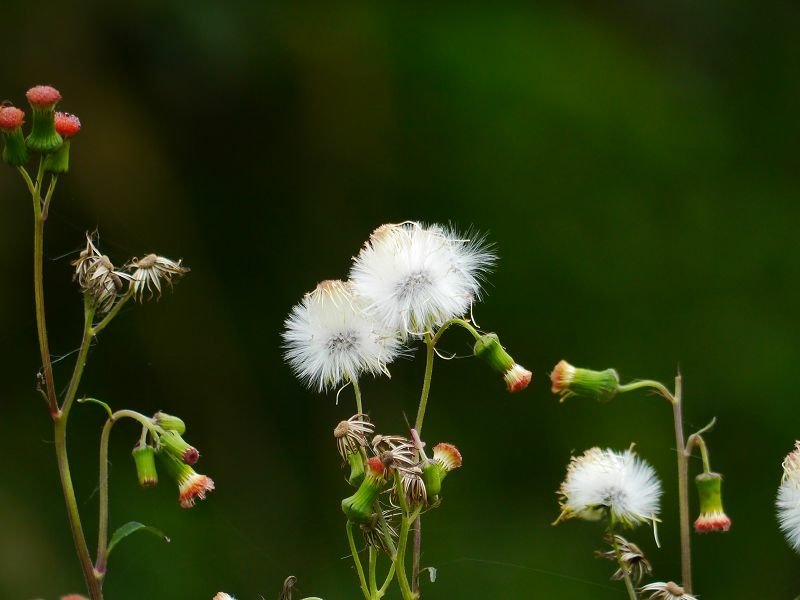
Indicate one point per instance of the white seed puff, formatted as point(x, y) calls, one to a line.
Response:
point(788, 501)
point(330, 340)
point(413, 277)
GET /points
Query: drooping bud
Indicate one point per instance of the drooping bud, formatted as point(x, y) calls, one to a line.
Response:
point(489, 348)
point(66, 126)
point(571, 381)
point(144, 457)
point(170, 422)
point(712, 516)
point(359, 507)
point(15, 152)
point(446, 458)
point(356, 461)
point(172, 442)
point(191, 485)
point(43, 137)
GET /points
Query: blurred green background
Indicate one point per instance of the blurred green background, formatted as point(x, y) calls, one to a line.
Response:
point(635, 164)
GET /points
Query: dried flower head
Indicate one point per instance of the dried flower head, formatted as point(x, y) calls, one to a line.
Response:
point(788, 501)
point(617, 485)
point(67, 125)
point(632, 557)
point(148, 272)
point(351, 435)
point(11, 117)
point(415, 277)
point(395, 451)
point(223, 596)
point(666, 591)
point(329, 340)
point(97, 276)
point(414, 491)
point(373, 531)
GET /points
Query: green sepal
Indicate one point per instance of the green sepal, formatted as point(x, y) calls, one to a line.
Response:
point(132, 527)
point(43, 137)
point(359, 507)
point(15, 152)
point(167, 421)
point(599, 385)
point(709, 490)
point(356, 461)
point(144, 458)
point(58, 161)
point(432, 474)
point(489, 348)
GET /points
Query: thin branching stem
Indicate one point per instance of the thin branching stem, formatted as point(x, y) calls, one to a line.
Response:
point(623, 567)
point(357, 392)
point(373, 582)
point(357, 560)
point(683, 487)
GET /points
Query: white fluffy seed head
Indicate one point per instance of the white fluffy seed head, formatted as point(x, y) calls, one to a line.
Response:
point(330, 340)
point(788, 501)
point(414, 277)
point(618, 485)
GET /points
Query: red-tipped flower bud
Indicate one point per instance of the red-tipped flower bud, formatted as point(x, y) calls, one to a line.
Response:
point(489, 348)
point(43, 137)
point(172, 442)
point(15, 152)
point(191, 485)
point(66, 126)
point(712, 516)
point(359, 507)
point(571, 381)
point(446, 458)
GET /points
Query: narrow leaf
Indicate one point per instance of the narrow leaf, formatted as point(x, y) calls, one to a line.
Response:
point(99, 402)
point(132, 527)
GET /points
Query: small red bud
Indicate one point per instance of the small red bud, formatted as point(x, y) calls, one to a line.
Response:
point(43, 96)
point(11, 117)
point(67, 125)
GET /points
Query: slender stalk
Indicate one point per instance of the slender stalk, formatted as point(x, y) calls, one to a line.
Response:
point(83, 353)
point(622, 566)
point(416, 554)
point(387, 581)
point(49, 196)
point(102, 536)
point(683, 488)
point(357, 392)
point(362, 580)
point(426, 383)
point(400, 558)
point(373, 583)
point(648, 383)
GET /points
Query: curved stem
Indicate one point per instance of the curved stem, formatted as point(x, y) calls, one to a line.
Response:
point(83, 352)
point(622, 566)
point(648, 383)
point(362, 580)
point(103, 323)
point(426, 383)
point(683, 488)
point(387, 581)
point(373, 583)
point(102, 536)
point(49, 196)
point(38, 287)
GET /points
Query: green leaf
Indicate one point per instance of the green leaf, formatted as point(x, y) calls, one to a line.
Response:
point(100, 402)
point(132, 527)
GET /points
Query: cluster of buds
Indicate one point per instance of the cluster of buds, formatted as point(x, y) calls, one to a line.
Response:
point(49, 135)
point(176, 456)
point(392, 465)
point(489, 348)
point(104, 284)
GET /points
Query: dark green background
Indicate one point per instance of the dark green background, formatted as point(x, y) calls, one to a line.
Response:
point(635, 164)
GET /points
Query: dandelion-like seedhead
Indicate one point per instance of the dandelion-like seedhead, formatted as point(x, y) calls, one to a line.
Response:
point(413, 277)
point(788, 500)
point(329, 340)
point(618, 485)
point(148, 272)
point(666, 591)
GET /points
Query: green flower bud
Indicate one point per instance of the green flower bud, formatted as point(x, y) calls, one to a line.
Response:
point(489, 348)
point(144, 457)
point(172, 442)
point(570, 381)
point(58, 161)
point(712, 516)
point(356, 461)
point(359, 507)
point(43, 137)
point(170, 422)
point(446, 458)
point(15, 152)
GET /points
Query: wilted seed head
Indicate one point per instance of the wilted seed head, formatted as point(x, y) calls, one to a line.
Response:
point(632, 557)
point(148, 271)
point(414, 489)
point(351, 435)
point(666, 591)
point(97, 276)
point(395, 451)
point(373, 531)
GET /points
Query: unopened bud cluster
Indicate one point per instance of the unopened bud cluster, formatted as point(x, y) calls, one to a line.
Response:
point(175, 455)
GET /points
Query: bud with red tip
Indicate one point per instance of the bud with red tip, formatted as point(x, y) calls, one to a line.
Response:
point(571, 381)
point(43, 137)
point(359, 507)
point(191, 485)
point(66, 126)
point(144, 457)
point(172, 442)
point(712, 516)
point(446, 458)
point(489, 348)
point(15, 152)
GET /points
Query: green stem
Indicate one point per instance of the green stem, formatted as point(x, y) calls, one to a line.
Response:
point(83, 353)
point(49, 196)
point(426, 383)
point(103, 323)
point(622, 566)
point(28, 181)
point(357, 392)
point(362, 580)
point(373, 583)
point(102, 537)
point(387, 581)
point(683, 488)
point(416, 553)
point(648, 383)
point(400, 558)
